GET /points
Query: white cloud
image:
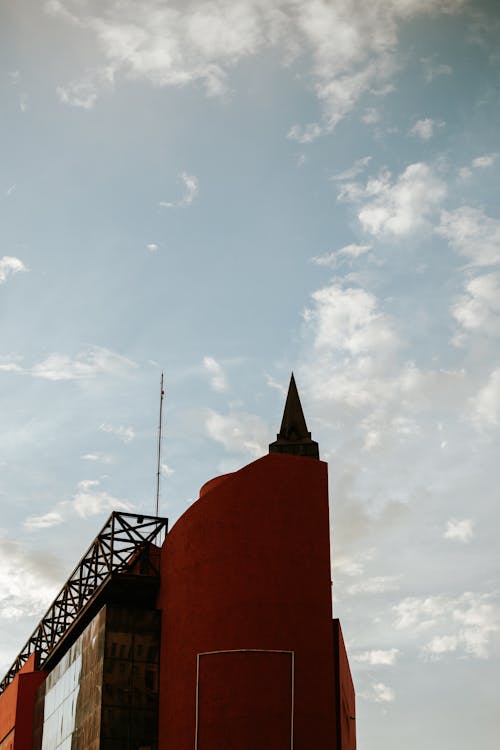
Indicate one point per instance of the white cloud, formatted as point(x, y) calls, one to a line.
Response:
point(350, 52)
point(238, 432)
point(349, 320)
point(191, 187)
point(486, 160)
point(272, 383)
point(426, 128)
point(10, 190)
point(396, 206)
point(433, 70)
point(167, 470)
point(485, 405)
point(58, 8)
point(23, 102)
point(152, 247)
point(374, 585)
point(420, 613)
point(43, 522)
point(79, 94)
point(378, 693)
point(89, 500)
point(353, 52)
point(348, 566)
point(465, 623)
point(353, 342)
point(377, 657)
point(125, 434)
point(306, 133)
point(84, 366)
point(10, 363)
point(480, 162)
point(370, 116)
point(472, 233)
point(103, 458)
point(459, 530)
point(357, 168)
point(83, 93)
point(355, 377)
point(478, 310)
point(442, 644)
point(354, 251)
point(348, 251)
point(218, 379)
point(28, 580)
point(10, 265)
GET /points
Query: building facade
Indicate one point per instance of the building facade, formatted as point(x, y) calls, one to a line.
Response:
point(219, 638)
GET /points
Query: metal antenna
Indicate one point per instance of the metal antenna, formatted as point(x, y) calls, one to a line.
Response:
point(162, 393)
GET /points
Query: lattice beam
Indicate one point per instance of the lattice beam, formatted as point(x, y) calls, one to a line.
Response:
point(119, 545)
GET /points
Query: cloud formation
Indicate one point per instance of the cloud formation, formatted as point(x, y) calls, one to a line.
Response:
point(461, 624)
point(99, 457)
point(79, 94)
point(43, 522)
point(351, 48)
point(377, 657)
point(425, 128)
point(348, 252)
point(485, 405)
point(374, 585)
point(473, 234)
point(477, 311)
point(433, 69)
point(396, 206)
point(84, 366)
point(238, 432)
point(125, 434)
point(10, 265)
point(378, 692)
point(217, 375)
point(356, 169)
point(28, 580)
point(486, 160)
point(191, 187)
point(90, 500)
point(459, 530)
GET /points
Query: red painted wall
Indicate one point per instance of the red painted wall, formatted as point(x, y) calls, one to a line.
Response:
point(248, 567)
point(246, 715)
point(344, 693)
point(17, 704)
point(8, 703)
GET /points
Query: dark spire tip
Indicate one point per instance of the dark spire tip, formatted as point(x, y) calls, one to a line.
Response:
point(294, 437)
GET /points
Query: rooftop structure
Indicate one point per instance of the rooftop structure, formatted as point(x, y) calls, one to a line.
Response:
point(216, 635)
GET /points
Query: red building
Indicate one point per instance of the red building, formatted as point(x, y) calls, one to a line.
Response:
point(222, 638)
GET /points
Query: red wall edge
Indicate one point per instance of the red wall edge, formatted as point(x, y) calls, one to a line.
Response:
point(345, 699)
point(248, 567)
point(17, 704)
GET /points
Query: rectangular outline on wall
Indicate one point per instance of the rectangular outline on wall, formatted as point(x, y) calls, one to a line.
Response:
point(247, 651)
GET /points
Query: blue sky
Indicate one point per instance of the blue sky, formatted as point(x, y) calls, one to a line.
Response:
point(228, 191)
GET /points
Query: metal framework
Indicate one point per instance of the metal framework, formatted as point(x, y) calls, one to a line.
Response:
point(116, 549)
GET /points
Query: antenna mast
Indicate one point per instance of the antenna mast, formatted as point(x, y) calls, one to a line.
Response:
point(158, 472)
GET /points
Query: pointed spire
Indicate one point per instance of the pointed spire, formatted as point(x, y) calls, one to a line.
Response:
point(293, 436)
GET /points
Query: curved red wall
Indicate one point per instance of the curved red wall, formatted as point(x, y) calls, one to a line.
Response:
point(247, 567)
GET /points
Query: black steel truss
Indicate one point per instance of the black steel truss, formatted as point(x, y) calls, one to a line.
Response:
point(116, 549)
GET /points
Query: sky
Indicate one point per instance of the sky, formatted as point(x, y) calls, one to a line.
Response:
point(227, 191)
